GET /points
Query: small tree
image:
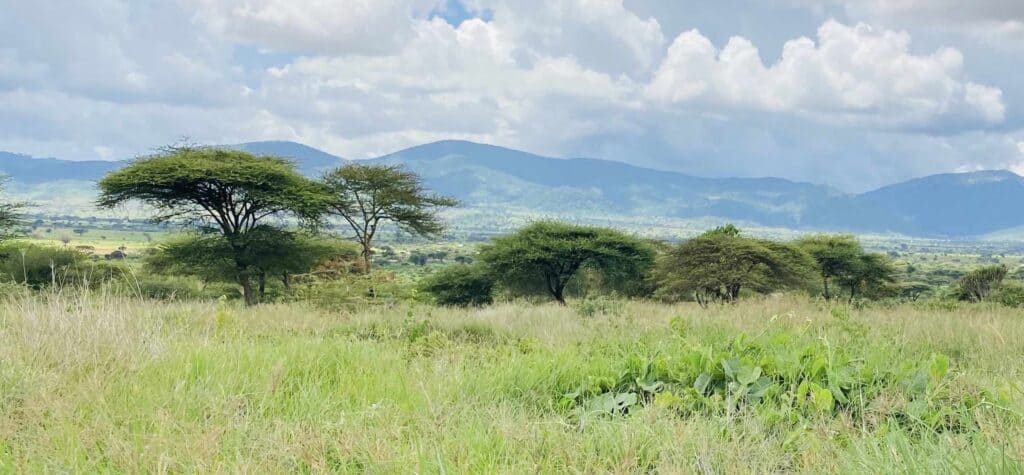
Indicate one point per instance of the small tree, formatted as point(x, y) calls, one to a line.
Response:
point(977, 284)
point(227, 191)
point(716, 266)
point(835, 255)
point(547, 255)
point(271, 253)
point(460, 286)
point(869, 274)
point(367, 195)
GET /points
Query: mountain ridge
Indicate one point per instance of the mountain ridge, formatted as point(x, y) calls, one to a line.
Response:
point(947, 205)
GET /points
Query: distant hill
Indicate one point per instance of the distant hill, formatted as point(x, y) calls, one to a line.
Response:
point(485, 174)
point(310, 161)
point(953, 204)
point(949, 205)
point(32, 171)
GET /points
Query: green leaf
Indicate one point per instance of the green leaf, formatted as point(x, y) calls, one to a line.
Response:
point(731, 367)
point(702, 383)
point(823, 400)
point(748, 374)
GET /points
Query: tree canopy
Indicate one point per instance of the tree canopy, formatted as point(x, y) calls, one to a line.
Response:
point(269, 252)
point(229, 191)
point(717, 265)
point(836, 256)
point(366, 196)
point(547, 255)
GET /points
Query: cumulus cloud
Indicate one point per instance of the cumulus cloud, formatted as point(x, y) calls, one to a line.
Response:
point(603, 34)
point(852, 73)
point(449, 81)
point(331, 27)
point(113, 78)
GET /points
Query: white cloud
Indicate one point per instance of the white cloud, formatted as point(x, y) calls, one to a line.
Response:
point(998, 22)
point(112, 78)
point(853, 74)
point(603, 34)
point(330, 27)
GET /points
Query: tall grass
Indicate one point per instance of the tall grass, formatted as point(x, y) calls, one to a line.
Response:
point(107, 383)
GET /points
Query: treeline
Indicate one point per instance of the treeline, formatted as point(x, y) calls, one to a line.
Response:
point(719, 266)
point(255, 222)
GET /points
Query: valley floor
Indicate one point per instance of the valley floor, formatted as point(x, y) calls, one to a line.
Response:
point(108, 384)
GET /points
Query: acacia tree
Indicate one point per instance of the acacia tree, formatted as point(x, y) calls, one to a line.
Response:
point(229, 192)
point(549, 254)
point(271, 253)
point(835, 255)
point(717, 265)
point(870, 272)
point(367, 195)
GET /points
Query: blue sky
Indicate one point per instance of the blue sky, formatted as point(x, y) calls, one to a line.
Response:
point(851, 93)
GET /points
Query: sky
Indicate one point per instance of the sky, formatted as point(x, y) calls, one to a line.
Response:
point(850, 93)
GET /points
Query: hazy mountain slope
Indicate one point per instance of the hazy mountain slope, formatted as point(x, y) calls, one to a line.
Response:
point(28, 170)
point(310, 161)
point(951, 205)
point(487, 174)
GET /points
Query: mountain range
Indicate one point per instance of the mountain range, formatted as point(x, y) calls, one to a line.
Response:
point(485, 176)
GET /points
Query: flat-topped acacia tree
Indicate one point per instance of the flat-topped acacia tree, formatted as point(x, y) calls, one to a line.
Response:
point(547, 255)
point(367, 195)
point(225, 191)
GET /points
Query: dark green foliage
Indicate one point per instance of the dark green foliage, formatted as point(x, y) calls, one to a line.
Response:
point(979, 283)
point(366, 196)
point(229, 191)
point(1010, 295)
point(869, 276)
point(546, 256)
point(841, 260)
point(834, 255)
point(460, 286)
point(718, 265)
point(10, 216)
point(267, 253)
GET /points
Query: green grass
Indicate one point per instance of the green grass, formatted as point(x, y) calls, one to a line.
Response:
point(100, 383)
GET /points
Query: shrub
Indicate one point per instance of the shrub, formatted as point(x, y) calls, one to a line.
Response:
point(1010, 296)
point(39, 266)
point(979, 283)
point(460, 286)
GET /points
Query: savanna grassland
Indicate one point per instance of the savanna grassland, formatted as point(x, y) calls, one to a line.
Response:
point(93, 382)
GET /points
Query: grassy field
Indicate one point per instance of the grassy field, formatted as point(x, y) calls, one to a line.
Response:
point(100, 383)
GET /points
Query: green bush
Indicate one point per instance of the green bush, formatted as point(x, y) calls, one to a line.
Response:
point(1010, 295)
point(40, 266)
point(460, 286)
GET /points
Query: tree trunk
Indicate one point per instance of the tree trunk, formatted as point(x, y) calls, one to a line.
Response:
point(367, 254)
point(557, 294)
point(828, 296)
point(247, 292)
point(262, 279)
point(286, 279)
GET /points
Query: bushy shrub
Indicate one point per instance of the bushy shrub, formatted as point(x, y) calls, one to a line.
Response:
point(1010, 295)
point(40, 266)
point(979, 283)
point(460, 286)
